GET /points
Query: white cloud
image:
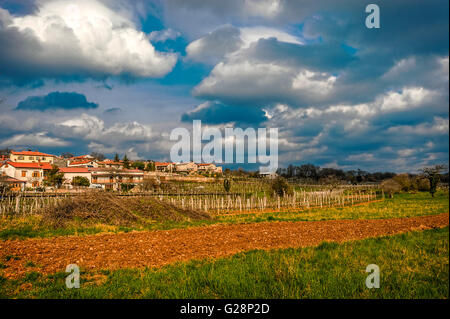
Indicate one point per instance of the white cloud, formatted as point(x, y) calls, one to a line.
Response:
point(439, 126)
point(251, 81)
point(215, 45)
point(33, 139)
point(263, 8)
point(314, 82)
point(253, 34)
point(408, 98)
point(88, 37)
point(163, 35)
point(92, 128)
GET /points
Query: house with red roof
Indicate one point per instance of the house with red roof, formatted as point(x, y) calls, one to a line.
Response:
point(31, 157)
point(110, 164)
point(82, 163)
point(81, 157)
point(164, 167)
point(13, 184)
point(111, 178)
point(71, 172)
point(33, 174)
point(187, 167)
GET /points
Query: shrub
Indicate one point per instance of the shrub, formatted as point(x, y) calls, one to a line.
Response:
point(126, 187)
point(80, 181)
point(390, 187)
point(404, 181)
point(150, 184)
point(281, 187)
point(422, 184)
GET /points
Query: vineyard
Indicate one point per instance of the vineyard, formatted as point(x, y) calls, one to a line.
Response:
point(299, 200)
point(244, 196)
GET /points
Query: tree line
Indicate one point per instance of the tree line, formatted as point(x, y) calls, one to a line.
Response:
point(310, 173)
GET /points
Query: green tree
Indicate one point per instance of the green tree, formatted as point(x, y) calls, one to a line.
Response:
point(54, 177)
point(126, 162)
point(80, 181)
point(150, 167)
point(116, 158)
point(138, 165)
point(281, 187)
point(433, 175)
point(126, 187)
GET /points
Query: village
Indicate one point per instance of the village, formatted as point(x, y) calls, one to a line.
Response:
point(32, 170)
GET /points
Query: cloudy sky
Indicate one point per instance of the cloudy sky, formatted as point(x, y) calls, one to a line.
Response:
point(117, 76)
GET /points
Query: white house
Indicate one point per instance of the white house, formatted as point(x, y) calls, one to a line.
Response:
point(82, 163)
point(186, 167)
point(71, 172)
point(31, 157)
point(33, 174)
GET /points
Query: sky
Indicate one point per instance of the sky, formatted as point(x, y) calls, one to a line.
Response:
point(116, 76)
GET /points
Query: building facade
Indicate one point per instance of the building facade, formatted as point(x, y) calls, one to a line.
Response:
point(31, 157)
point(71, 172)
point(33, 174)
point(110, 178)
point(188, 167)
point(164, 167)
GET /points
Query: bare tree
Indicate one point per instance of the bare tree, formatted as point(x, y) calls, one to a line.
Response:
point(433, 174)
point(390, 187)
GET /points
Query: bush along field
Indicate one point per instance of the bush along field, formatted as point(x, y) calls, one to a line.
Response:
point(412, 265)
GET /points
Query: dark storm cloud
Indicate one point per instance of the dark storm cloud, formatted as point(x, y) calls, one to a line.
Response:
point(217, 113)
point(56, 100)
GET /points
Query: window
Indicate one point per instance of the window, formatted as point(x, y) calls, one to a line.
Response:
point(43, 158)
point(21, 158)
point(35, 174)
point(31, 158)
point(24, 173)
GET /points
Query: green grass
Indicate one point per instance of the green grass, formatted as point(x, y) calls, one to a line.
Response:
point(412, 265)
point(402, 205)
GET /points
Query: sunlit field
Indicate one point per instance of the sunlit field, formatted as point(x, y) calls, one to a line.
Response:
point(412, 265)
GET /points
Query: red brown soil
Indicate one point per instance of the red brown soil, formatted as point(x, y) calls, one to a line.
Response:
point(158, 248)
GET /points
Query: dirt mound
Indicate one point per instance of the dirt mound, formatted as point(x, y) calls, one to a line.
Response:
point(118, 211)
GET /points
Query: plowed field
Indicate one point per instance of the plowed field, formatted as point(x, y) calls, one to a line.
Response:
point(158, 248)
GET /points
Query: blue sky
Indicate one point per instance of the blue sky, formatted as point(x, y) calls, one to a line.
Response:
point(117, 76)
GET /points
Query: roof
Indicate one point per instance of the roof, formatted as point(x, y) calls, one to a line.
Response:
point(205, 164)
point(115, 170)
point(80, 162)
point(9, 179)
point(74, 170)
point(162, 164)
point(29, 165)
point(110, 162)
point(82, 157)
point(31, 153)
